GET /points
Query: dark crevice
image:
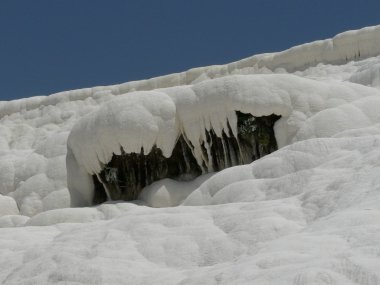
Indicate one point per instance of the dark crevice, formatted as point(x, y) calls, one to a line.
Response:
point(127, 174)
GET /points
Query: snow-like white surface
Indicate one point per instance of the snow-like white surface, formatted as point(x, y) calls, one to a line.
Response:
point(308, 213)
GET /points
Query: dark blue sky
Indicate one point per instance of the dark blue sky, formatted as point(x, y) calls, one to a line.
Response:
point(48, 46)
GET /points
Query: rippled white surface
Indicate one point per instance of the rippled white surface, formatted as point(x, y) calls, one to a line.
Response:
point(308, 213)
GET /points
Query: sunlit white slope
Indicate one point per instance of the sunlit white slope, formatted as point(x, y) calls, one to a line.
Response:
point(306, 214)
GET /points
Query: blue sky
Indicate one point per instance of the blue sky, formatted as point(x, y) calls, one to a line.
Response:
point(48, 46)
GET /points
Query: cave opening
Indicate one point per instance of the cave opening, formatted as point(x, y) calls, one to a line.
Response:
point(124, 177)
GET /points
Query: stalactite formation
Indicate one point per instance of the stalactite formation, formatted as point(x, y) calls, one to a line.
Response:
point(127, 174)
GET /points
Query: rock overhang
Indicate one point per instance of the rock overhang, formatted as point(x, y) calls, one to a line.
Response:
point(137, 122)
